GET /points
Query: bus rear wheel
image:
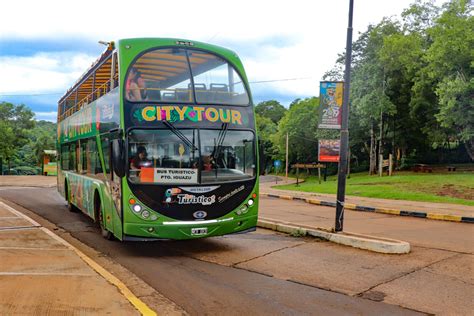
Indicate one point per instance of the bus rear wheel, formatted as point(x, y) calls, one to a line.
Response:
point(100, 219)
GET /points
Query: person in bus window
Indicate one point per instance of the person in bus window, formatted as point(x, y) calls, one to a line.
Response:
point(142, 86)
point(132, 90)
point(140, 160)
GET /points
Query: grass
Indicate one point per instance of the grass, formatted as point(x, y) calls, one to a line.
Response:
point(457, 188)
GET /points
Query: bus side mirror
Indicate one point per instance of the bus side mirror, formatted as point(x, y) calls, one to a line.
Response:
point(118, 161)
point(261, 159)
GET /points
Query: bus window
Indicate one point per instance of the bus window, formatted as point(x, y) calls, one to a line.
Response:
point(72, 157)
point(165, 75)
point(65, 157)
point(231, 156)
point(93, 160)
point(157, 74)
point(105, 143)
point(160, 152)
point(218, 83)
point(83, 156)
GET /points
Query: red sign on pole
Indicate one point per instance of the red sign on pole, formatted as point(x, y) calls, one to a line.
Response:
point(328, 150)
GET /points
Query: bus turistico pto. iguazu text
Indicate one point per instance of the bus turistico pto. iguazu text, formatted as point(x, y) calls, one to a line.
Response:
point(157, 140)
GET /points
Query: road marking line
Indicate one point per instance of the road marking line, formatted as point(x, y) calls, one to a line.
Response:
point(139, 305)
point(11, 209)
point(32, 248)
point(10, 217)
point(5, 228)
point(45, 274)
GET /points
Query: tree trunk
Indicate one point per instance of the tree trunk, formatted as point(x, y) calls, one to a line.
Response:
point(372, 153)
point(380, 151)
point(469, 145)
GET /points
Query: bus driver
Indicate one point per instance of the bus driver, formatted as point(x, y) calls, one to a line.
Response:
point(140, 160)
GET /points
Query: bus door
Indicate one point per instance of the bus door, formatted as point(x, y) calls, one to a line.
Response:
point(114, 187)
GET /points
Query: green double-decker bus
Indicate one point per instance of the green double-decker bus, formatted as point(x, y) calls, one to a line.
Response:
point(157, 140)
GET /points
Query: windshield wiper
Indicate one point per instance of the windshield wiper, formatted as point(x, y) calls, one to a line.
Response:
point(180, 135)
point(220, 140)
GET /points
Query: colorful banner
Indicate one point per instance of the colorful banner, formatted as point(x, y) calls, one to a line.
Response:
point(330, 104)
point(328, 150)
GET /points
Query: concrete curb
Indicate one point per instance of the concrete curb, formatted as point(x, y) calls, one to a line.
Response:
point(381, 210)
point(371, 243)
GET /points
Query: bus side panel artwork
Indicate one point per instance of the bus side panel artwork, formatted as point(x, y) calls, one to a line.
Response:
point(99, 116)
point(82, 193)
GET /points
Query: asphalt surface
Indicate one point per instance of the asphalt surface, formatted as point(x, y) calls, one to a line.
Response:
point(215, 275)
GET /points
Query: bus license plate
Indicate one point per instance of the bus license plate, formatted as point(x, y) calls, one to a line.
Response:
point(199, 231)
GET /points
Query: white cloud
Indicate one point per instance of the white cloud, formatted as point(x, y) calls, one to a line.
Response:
point(275, 39)
point(42, 72)
point(46, 116)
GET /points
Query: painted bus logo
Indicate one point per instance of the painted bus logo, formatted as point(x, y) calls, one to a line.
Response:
point(175, 113)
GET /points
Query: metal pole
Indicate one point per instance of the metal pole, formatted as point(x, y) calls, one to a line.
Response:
point(342, 172)
point(286, 173)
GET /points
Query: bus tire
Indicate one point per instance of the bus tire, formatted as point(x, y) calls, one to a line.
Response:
point(71, 207)
point(100, 217)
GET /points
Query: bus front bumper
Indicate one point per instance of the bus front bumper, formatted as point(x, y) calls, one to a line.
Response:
point(180, 230)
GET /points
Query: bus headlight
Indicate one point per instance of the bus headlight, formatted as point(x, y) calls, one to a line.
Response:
point(137, 208)
point(250, 202)
point(145, 214)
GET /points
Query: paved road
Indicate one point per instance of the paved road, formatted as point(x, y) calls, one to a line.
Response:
point(259, 273)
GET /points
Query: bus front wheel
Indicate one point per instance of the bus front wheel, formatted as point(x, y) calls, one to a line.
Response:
point(100, 218)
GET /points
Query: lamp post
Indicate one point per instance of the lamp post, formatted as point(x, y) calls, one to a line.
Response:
point(342, 172)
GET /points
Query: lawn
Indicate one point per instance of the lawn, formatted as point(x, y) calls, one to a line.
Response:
point(455, 188)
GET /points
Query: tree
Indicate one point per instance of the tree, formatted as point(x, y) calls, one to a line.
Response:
point(15, 121)
point(450, 62)
point(271, 109)
point(266, 129)
point(300, 122)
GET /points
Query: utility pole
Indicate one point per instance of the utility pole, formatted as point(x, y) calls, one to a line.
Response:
point(286, 156)
point(342, 172)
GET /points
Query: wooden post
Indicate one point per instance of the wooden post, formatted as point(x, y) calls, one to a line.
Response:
point(390, 164)
point(380, 165)
point(319, 174)
point(286, 173)
point(297, 176)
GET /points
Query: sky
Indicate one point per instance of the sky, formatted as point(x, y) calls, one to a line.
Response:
point(46, 45)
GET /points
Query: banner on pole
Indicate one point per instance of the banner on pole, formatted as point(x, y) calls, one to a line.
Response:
point(330, 104)
point(328, 150)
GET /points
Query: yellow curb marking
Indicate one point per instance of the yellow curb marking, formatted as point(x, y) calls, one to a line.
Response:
point(286, 197)
point(311, 201)
point(349, 206)
point(387, 211)
point(444, 217)
point(139, 305)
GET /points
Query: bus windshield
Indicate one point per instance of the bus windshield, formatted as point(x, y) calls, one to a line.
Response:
point(180, 75)
point(190, 156)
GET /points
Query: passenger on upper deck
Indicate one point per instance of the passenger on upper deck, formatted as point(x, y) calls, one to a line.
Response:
point(132, 88)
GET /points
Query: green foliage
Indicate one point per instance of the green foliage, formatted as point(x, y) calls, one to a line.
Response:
point(300, 122)
point(15, 122)
point(271, 109)
point(23, 139)
point(414, 80)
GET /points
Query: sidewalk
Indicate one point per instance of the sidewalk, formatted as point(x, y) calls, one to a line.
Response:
point(42, 274)
point(437, 211)
point(28, 181)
